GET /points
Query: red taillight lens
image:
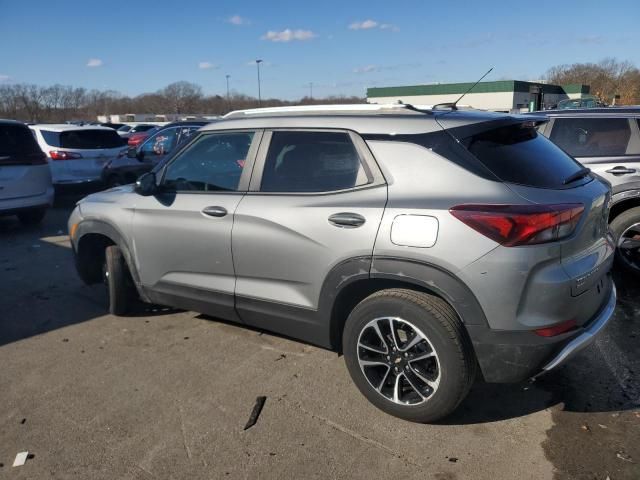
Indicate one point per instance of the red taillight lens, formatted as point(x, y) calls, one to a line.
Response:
point(558, 329)
point(515, 225)
point(60, 155)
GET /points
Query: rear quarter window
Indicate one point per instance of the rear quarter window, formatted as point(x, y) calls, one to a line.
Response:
point(17, 140)
point(519, 154)
point(592, 137)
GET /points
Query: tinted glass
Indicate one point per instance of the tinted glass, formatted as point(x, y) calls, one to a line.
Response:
point(83, 139)
point(16, 140)
point(212, 163)
point(161, 143)
point(519, 154)
point(311, 162)
point(142, 128)
point(592, 137)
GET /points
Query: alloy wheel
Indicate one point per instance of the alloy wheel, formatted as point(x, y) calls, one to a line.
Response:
point(629, 246)
point(398, 361)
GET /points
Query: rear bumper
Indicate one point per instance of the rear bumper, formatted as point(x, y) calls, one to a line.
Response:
point(15, 205)
point(514, 356)
point(586, 337)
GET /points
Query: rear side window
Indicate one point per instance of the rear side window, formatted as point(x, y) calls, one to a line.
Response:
point(312, 162)
point(519, 154)
point(85, 139)
point(17, 140)
point(592, 137)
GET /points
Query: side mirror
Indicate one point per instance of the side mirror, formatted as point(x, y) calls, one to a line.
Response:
point(146, 185)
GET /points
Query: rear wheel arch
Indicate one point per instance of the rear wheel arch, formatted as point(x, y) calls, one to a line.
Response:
point(389, 273)
point(623, 204)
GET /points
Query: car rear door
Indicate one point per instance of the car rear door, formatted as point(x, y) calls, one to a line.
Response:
point(609, 146)
point(182, 235)
point(316, 200)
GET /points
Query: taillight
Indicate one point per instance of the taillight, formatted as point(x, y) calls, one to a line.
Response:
point(60, 155)
point(515, 225)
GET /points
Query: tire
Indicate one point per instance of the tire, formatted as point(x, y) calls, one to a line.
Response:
point(437, 328)
point(624, 227)
point(32, 217)
point(118, 282)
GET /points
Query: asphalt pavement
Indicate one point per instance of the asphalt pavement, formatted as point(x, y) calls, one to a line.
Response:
point(166, 394)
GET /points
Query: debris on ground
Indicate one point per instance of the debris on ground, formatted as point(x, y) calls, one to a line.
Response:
point(623, 456)
point(453, 459)
point(255, 413)
point(585, 428)
point(21, 458)
point(23, 421)
point(282, 355)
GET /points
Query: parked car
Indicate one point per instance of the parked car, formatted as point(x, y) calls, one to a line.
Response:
point(587, 101)
point(138, 160)
point(76, 154)
point(419, 243)
point(114, 126)
point(137, 138)
point(127, 130)
point(25, 177)
point(607, 140)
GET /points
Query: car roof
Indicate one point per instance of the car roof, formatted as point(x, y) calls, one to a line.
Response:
point(65, 127)
point(6, 121)
point(186, 123)
point(583, 112)
point(364, 118)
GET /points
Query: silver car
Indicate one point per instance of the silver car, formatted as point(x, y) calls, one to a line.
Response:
point(607, 140)
point(422, 244)
point(25, 179)
point(77, 153)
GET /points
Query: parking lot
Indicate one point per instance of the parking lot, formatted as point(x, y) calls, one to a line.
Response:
point(166, 394)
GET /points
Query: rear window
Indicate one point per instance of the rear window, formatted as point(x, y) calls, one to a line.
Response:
point(519, 154)
point(592, 137)
point(85, 139)
point(17, 140)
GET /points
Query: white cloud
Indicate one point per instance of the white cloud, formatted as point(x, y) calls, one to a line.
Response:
point(369, 24)
point(288, 35)
point(366, 69)
point(94, 62)
point(238, 20)
point(389, 26)
point(365, 25)
point(206, 65)
point(4, 78)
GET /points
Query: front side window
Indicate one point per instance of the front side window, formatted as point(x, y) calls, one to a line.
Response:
point(592, 137)
point(214, 162)
point(312, 162)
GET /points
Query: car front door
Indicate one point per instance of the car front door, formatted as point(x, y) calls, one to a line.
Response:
point(315, 203)
point(182, 235)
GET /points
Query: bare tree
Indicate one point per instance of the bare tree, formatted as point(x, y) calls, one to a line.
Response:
point(182, 97)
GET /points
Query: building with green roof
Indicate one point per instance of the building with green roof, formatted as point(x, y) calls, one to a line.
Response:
point(499, 96)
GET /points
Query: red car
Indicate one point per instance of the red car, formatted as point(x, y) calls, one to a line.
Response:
point(137, 138)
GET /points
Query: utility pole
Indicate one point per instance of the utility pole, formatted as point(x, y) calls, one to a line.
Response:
point(258, 62)
point(311, 90)
point(228, 98)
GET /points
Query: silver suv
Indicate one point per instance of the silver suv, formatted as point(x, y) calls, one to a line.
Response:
point(607, 140)
point(422, 244)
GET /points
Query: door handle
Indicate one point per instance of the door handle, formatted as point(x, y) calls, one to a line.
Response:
point(621, 170)
point(215, 211)
point(346, 220)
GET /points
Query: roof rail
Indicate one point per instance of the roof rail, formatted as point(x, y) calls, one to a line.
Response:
point(369, 107)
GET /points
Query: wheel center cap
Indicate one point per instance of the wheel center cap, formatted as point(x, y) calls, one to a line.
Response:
point(397, 360)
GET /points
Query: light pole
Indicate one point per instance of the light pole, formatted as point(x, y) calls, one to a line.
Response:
point(228, 100)
point(258, 62)
point(311, 90)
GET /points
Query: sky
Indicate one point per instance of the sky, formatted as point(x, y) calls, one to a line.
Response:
point(340, 47)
